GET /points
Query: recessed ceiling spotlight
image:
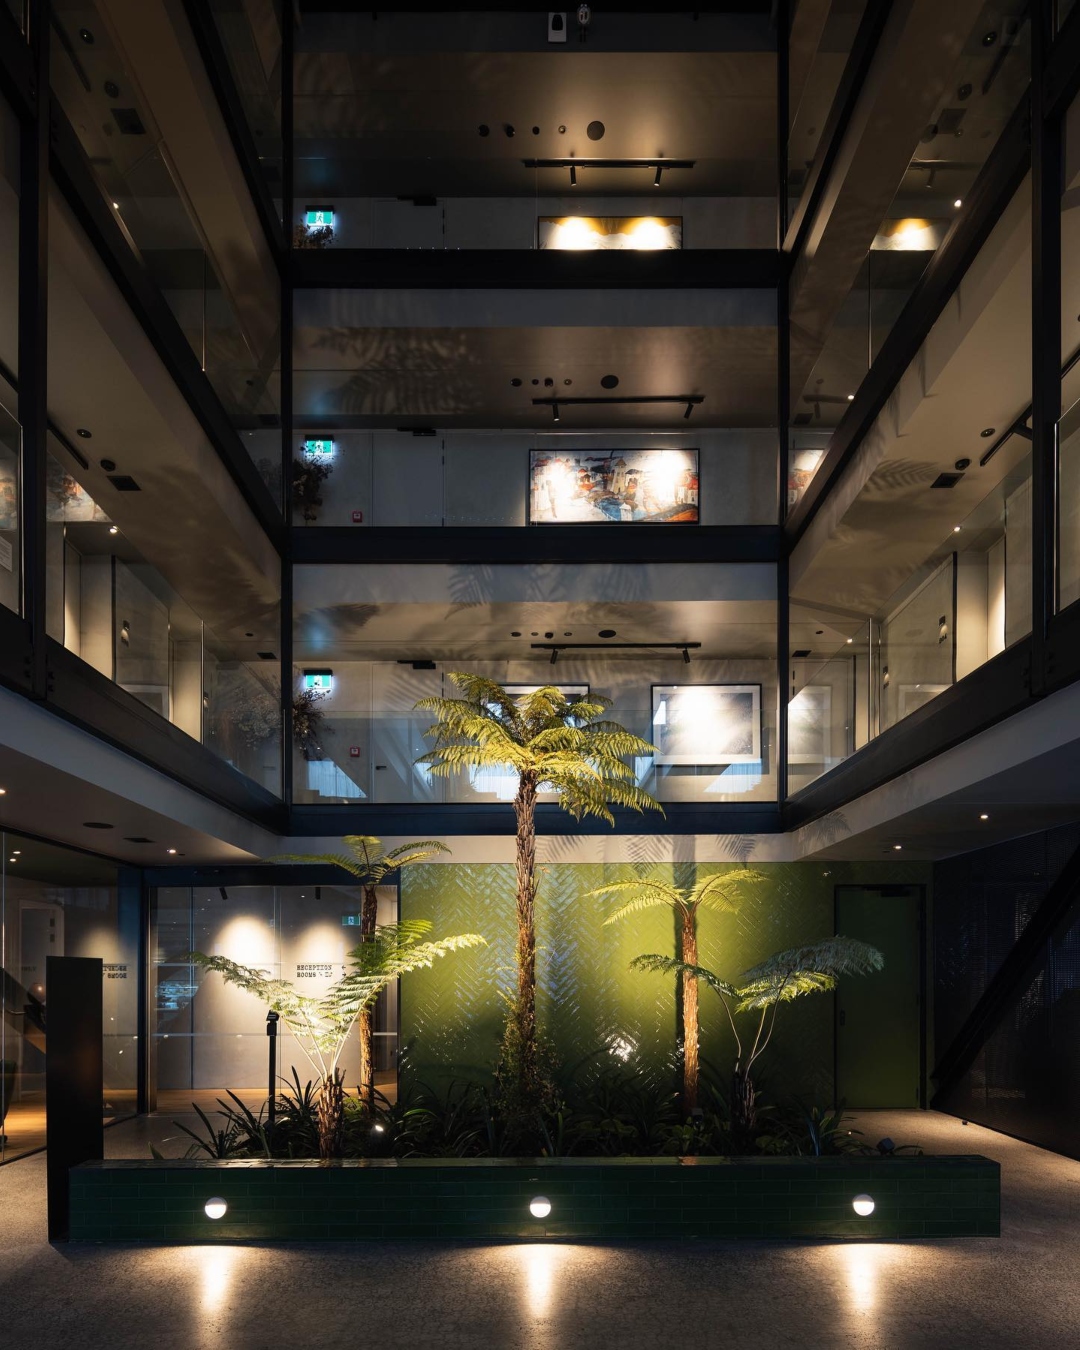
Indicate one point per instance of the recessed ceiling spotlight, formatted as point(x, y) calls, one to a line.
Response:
point(82, 431)
point(13, 860)
point(116, 206)
point(568, 635)
point(484, 130)
point(536, 131)
point(562, 131)
point(509, 130)
point(3, 792)
point(984, 816)
point(96, 825)
point(987, 433)
point(16, 851)
point(851, 398)
point(170, 850)
point(515, 383)
point(595, 131)
point(989, 38)
point(515, 634)
point(113, 529)
point(609, 381)
point(898, 847)
point(606, 633)
point(958, 203)
point(956, 529)
point(850, 641)
point(87, 36)
point(112, 88)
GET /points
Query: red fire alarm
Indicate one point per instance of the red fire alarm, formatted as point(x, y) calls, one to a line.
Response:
point(354, 752)
point(358, 517)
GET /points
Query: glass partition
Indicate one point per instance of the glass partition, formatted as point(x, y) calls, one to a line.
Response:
point(1068, 487)
point(250, 36)
point(56, 902)
point(919, 571)
point(821, 39)
point(230, 328)
point(691, 668)
point(209, 1037)
point(115, 610)
point(833, 348)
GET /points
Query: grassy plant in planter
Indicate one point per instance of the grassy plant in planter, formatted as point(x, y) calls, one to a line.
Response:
point(550, 744)
point(720, 892)
point(370, 865)
point(789, 975)
point(322, 1025)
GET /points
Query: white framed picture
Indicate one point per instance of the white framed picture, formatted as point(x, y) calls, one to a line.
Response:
point(706, 723)
point(916, 696)
point(809, 725)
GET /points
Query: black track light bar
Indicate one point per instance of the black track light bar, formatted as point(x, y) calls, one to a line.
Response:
point(657, 162)
point(691, 400)
point(556, 647)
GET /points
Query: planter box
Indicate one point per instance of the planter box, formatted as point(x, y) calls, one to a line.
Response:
point(485, 1198)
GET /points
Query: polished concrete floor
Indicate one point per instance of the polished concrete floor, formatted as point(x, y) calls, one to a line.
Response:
point(1022, 1290)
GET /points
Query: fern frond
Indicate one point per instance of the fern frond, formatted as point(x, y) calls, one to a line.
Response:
point(656, 964)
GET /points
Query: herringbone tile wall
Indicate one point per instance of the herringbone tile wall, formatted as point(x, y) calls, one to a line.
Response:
point(593, 1007)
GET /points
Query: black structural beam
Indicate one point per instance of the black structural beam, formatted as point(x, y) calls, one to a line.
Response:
point(76, 178)
point(534, 269)
point(541, 544)
point(737, 818)
point(18, 81)
point(992, 192)
point(74, 1078)
point(1009, 981)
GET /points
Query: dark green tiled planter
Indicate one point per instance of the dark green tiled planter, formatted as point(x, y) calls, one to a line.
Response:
point(489, 1198)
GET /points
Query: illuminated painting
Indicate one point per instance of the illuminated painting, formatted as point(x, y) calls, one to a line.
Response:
point(593, 232)
point(706, 723)
point(622, 487)
point(802, 466)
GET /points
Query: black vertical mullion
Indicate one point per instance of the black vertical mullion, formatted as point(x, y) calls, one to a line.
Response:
point(1046, 172)
point(33, 337)
point(783, 114)
point(288, 31)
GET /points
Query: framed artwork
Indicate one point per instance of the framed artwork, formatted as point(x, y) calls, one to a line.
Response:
point(613, 487)
point(706, 723)
point(573, 692)
point(582, 233)
point(809, 724)
point(915, 696)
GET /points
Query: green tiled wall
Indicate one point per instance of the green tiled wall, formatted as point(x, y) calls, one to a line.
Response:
point(489, 1198)
point(591, 1005)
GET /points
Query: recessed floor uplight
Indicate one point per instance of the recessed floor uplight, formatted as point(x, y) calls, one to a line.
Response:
point(215, 1207)
point(863, 1205)
point(539, 1206)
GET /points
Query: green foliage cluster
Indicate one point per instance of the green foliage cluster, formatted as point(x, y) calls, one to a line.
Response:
point(612, 1115)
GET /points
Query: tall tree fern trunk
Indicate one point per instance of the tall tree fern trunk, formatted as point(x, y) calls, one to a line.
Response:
point(330, 1117)
point(523, 1012)
point(369, 917)
point(691, 1063)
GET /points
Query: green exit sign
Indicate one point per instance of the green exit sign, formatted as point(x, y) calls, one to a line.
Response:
point(319, 217)
point(350, 921)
